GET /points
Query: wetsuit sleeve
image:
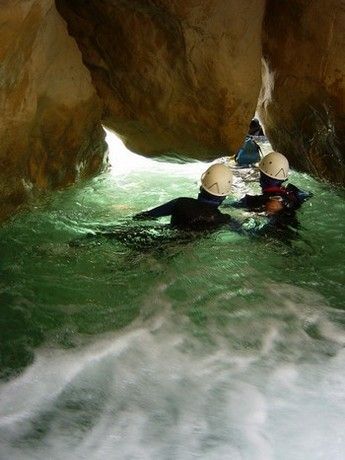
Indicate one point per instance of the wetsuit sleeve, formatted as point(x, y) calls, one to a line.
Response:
point(165, 209)
point(249, 202)
point(300, 196)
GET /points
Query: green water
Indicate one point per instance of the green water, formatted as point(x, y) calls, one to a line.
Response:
point(163, 345)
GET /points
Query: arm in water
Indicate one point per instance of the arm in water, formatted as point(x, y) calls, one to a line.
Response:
point(274, 170)
point(248, 202)
point(165, 209)
point(299, 195)
point(292, 197)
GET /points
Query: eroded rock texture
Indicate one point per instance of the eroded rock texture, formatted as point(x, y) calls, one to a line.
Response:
point(178, 75)
point(50, 131)
point(302, 103)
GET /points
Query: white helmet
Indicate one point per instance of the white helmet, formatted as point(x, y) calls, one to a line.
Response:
point(275, 165)
point(217, 180)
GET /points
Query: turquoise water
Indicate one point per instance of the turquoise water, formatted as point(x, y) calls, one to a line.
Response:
point(163, 345)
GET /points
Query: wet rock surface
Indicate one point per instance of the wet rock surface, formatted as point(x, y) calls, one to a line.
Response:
point(302, 100)
point(50, 131)
point(178, 76)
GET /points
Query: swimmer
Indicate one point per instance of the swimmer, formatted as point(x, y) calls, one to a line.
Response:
point(274, 171)
point(202, 212)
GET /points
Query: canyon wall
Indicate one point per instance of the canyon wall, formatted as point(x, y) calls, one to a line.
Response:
point(181, 76)
point(50, 129)
point(302, 102)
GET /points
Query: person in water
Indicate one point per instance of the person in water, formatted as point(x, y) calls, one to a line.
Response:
point(202, 212)
point(255, 128)
point(274, 171)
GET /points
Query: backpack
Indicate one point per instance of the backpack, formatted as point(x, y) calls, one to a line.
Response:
point(249, 153)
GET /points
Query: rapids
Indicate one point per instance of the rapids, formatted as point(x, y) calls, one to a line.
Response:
point(157, 344)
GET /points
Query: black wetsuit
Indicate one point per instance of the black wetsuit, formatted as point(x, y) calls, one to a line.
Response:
point(283, 225)
point(190, 213)
point(291, 195)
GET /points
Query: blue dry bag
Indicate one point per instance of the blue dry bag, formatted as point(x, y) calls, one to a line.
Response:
point(249, 153)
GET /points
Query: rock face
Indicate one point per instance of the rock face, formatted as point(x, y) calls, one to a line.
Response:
point(50, 131)
point(179, 75)
point(302, 102)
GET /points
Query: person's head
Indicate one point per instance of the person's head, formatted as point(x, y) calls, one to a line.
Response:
point(217, 180)
point(274, 205)
point(254, 126)
point(274, 169)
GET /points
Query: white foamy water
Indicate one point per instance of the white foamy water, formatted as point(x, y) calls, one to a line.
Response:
point(262, 389)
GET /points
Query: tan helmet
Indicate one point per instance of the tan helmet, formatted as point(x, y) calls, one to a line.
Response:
point(275, 165)
point(217, 180)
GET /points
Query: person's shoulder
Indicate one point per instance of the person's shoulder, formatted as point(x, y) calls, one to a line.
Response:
point(302, 195)
point(291, 187)
point(186, 200)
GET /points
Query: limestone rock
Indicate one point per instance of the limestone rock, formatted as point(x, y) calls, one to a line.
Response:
point(180, 76)
point(50, 131)
point(302, 102)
